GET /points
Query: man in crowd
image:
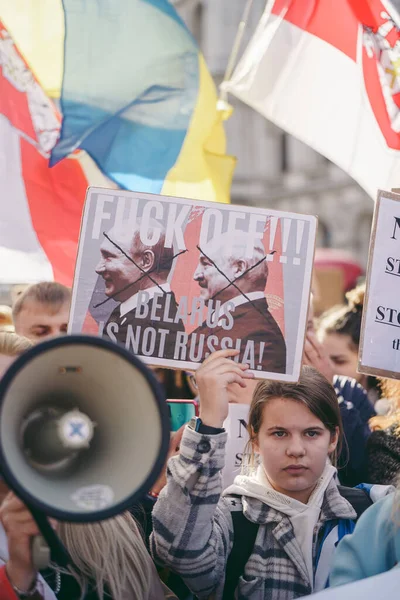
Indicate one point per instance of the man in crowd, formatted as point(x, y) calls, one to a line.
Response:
point(42, 311)
point(225, 273)
point(136, 276)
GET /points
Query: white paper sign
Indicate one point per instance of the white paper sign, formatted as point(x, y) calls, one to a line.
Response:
point(380, 334)
point(173, 280)
point(235, 425)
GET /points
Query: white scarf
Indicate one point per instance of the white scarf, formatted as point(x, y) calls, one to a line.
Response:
point(304, 517)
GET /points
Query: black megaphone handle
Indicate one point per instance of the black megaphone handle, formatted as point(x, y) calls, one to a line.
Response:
point(59, 553)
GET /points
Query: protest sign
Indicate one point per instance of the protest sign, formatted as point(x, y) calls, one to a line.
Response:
point(236, 427)
point(380, 341)
point(173, 280)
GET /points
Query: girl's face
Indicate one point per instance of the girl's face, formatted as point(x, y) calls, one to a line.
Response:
point(342, 354)
point(294, 445)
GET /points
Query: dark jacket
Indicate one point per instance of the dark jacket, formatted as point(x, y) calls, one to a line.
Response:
point(126, 326)
point(355, 410)
point(252, 321)
point(383, 452)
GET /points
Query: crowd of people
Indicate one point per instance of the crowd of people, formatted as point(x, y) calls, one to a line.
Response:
point(315, 504)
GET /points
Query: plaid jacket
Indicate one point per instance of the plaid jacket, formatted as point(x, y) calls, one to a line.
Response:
point(193, 531)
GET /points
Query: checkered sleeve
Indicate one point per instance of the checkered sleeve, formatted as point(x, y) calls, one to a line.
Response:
point(192, 524)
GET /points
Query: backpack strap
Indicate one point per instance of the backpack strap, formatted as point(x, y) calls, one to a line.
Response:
point(359, 499)
point(244, 538)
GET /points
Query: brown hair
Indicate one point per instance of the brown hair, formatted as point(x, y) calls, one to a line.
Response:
point(346, 320)
point(50, 293)
point(312, 390)
point(12, 344)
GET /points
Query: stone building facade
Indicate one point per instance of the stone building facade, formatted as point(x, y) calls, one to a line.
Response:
point(274, 169)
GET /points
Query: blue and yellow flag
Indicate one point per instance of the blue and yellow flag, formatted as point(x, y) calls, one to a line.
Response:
point(136, 93)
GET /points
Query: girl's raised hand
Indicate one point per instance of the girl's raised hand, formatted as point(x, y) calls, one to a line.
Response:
point(214, 376)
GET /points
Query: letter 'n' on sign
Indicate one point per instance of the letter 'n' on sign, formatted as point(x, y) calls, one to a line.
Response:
point(379, 352)
point(242, 428)
point(396, 226)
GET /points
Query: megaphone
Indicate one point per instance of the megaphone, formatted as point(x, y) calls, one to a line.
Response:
point(84, 429)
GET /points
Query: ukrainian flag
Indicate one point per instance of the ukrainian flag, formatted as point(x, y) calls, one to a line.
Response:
point(134, 91)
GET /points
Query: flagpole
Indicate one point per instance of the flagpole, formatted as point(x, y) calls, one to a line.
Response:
point(235, 50)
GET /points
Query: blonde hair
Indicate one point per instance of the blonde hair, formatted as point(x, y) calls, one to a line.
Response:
point(6, 321)
point(390, 389)
point(111, 554)
point(12, 344)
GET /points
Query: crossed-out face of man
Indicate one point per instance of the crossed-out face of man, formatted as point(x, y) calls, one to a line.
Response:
point(213, 275)
point(226, 269)
point(117, 270)
point(123, 264)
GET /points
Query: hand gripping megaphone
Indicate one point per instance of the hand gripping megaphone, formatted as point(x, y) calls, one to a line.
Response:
point(84, 432)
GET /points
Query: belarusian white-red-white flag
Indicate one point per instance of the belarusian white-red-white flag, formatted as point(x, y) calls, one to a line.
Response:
point(328, 72)
point(40, 208)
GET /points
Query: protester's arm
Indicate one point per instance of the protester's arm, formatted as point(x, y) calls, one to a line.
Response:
point(192, 526)
point(20, 528)
point(370, 549)
point(315, 356)
point(191, 533)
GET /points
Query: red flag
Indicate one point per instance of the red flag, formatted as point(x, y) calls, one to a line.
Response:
point(40, 208)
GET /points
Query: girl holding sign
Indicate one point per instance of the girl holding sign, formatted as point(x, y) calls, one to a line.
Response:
point(273, 533)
